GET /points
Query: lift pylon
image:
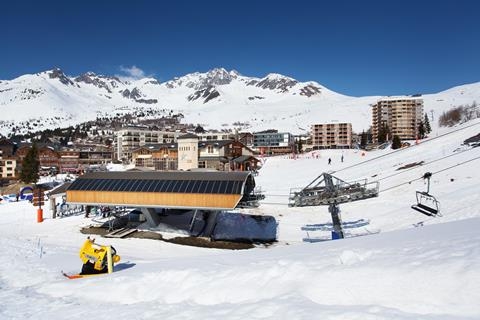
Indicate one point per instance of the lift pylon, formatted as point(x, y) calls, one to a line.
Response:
point(327, 189)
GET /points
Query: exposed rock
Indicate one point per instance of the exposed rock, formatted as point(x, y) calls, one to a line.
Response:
point(208, 94)
point(275, 82)
point(201, 81)
point(310, 90)
point(147, 101)
point(153, 81)
point(134, 94)
point(104, 82)
point(56, 73)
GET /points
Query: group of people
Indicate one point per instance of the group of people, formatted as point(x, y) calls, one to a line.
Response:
point(330, 160)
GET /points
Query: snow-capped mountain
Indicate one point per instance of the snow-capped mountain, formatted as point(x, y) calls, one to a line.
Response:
point(217, 99)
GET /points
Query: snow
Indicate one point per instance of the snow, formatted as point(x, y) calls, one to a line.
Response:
point(59, 105)
point(386, 268)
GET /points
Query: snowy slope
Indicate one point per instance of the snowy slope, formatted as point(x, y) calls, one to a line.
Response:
point(394, 271)
point(217, 99)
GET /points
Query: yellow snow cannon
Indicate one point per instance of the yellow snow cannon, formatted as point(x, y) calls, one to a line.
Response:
point(97, 258)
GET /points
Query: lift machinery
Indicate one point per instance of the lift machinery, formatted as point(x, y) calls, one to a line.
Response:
point(329, 190)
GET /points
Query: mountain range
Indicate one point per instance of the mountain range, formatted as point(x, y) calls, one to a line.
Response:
point(217, 99)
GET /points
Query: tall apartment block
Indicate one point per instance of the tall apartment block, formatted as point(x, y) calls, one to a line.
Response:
point(332, 136)
point(402, 115)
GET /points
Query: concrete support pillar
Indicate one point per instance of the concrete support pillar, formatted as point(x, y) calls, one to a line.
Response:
point(211, 219)
point(152, 217)
point(53, 207)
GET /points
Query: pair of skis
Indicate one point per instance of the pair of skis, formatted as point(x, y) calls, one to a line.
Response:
point(80, 276)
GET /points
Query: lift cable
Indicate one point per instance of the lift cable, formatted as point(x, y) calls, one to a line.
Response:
point(390, 153)
point(444, 169)
point(396, 173)
point(426, 163)
point(401, 184)
point(401, 149)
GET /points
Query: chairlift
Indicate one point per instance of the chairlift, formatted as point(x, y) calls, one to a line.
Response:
point(426, 203)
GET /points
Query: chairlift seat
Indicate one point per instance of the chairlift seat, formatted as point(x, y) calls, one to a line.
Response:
point(425, 209)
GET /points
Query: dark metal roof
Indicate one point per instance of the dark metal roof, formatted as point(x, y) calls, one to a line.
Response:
point(245, 158)
point(169, 181)
point(213, 158)
point(188, 136)
point(168, 175)
point(61, 189)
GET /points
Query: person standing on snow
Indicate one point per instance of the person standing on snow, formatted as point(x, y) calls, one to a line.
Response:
point(329, 161)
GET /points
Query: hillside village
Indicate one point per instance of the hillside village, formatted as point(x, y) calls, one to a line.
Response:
point(151, 143)
point(233, 160)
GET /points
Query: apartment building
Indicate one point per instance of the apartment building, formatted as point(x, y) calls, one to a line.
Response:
point(131, 138)
point(8, 166)
point(8, 163)
point(209, 136)
point(272, 142)
point(402, 115)
point(332, 136)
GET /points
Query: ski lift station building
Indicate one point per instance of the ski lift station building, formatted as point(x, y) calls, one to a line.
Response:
point(191, 190)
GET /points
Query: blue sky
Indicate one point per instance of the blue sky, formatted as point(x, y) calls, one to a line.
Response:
point(352, 47)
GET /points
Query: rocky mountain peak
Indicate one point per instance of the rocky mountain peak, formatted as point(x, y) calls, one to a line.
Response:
point(274, 81)
point(219, 76)
point(201, 81)
point(57, 73)
point(104, 82)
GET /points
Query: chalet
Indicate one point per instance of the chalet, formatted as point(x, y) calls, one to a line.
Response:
point(162, 156)
point(69, 161)
point(226, 155)
point(246, 138)
point(47, 156)
point(97, 156)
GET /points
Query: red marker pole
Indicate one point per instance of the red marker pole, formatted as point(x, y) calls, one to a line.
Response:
point(38, 200)
point(39, 215)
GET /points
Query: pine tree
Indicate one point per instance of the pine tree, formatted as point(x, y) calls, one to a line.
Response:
point(396, 142)
point(421, 130)
point(299, 145)
point(426, 124)
point(363, 140)
point(383, 133)
point(30, 165)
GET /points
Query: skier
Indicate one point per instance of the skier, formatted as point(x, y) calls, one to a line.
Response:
point(341, 158)
point(329, 161)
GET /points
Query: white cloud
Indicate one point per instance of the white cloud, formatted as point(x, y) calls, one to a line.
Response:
point(132, 73)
